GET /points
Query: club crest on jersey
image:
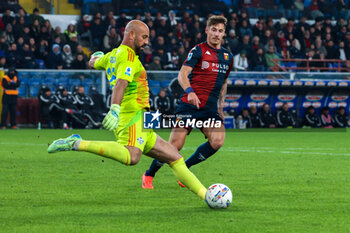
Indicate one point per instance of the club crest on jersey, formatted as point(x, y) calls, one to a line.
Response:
point(226, 56)
point(128, 71)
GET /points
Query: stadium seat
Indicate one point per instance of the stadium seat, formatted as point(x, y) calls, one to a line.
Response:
point(74, 81)
point(22, 90)
point(155, 90)
point(165, 83)
point(338, 99)
point(153, 83)
point(33, 90)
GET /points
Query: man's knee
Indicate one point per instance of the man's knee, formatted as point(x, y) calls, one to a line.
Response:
point(217, 142)
point(135, 156)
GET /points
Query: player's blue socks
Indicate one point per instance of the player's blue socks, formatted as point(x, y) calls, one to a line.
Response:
point(155, 166)
point(203, 152)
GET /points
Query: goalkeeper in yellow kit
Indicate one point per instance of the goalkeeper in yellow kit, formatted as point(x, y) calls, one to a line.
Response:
point(130, 98)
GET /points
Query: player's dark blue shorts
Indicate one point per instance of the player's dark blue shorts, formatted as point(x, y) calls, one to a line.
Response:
point(188, 111)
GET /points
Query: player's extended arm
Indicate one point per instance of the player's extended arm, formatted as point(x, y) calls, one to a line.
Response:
point(94, 57)
point(111, 120)
point(222, 99)
point(185, 84)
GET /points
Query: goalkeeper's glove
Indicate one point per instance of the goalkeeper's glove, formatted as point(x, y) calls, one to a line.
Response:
point(112, 118)
point(97, 54)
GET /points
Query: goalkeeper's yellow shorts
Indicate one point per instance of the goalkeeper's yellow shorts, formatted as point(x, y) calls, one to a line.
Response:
point(130, 132)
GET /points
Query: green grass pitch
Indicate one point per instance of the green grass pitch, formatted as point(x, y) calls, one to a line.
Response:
point(281, 182)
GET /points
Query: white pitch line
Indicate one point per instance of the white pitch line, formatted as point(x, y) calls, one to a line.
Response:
point(22, 144)
point(261, 150)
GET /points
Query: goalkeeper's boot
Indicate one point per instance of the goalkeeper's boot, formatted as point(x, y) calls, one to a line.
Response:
point(181, 184)
point(64, 144)
point(147, 181)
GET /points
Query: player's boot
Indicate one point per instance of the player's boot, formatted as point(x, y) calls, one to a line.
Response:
point(147, 181)
point(181, 184)
point(64, 144)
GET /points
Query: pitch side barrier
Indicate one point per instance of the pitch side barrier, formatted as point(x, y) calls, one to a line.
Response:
point(31, 80)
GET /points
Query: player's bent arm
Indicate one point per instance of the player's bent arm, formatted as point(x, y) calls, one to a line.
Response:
point(118, 91)
point(183, 77)
point(185, 84)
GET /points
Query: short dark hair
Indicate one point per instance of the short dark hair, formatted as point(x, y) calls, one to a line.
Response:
point(216, 19)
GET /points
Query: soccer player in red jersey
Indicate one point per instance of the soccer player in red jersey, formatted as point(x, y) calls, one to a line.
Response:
point(203, 76)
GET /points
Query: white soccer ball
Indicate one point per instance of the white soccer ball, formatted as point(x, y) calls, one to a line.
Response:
point(218, 196)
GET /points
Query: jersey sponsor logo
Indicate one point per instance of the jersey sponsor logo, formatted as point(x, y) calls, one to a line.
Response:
point(205, 65)
point(226, 56)
point(128, 71)
point(219, 68)
point(113, 60)
point(208, 53)
point(131, 55)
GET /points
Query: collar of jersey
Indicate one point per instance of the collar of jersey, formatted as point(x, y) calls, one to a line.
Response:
point(123, 45)
point(212, 47)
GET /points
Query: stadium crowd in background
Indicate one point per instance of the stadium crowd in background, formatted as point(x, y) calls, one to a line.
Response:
point(29, 41)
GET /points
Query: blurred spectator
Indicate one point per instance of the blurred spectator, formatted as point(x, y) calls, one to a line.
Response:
point(70, 31)
point(28, 60)
point(111, 40)
point(122, 21)
point(255, 117)
point(13, 57)
point(332, 52)
point(232, 41)
point(340, 118)
point(36, 16)
point(245, 29)
point(284, 117)
point(319, 48)
point(342, 51)
point(246, 45)
point(173, 60)
point(241, 61)
point(43, 50)
point(83, 29)
point(311, 119)
point(58, 33)
point(326, 119)
point(314, 10)
point(3, 64)
point(266, 117)
point(6, 17)
point(67, 57)
point(258, 61)
point(54, 59)
point(146, 57)
point(97, 33)
point(27, 34)
point(73, 43)
point(9, 34)
point(79, 63)
point(243, 120)
point(35, 30)
point(155, 65)
point(182, 55)
point(269, 56)
point(162, 102)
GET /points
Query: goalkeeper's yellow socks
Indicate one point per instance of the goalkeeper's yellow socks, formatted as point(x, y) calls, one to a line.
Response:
point(188, 178)
point(111, 150)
